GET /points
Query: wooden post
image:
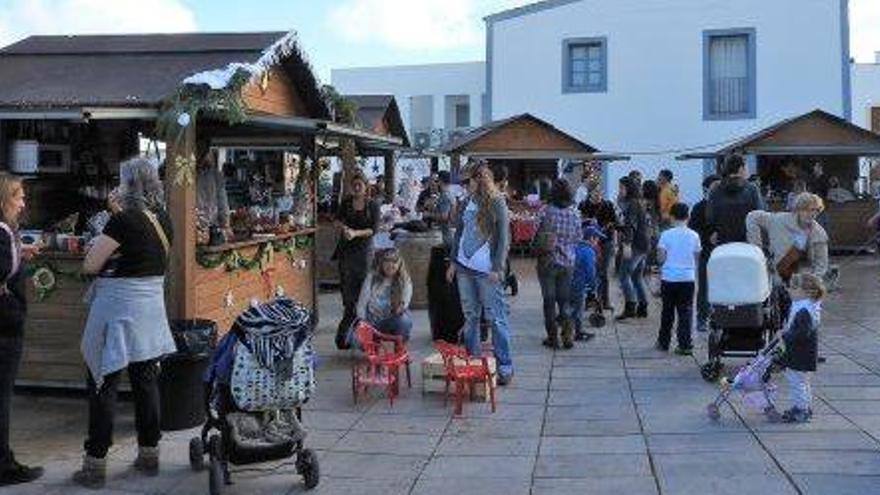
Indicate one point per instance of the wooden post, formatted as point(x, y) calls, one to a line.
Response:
point(390, 175)
point(181, 208)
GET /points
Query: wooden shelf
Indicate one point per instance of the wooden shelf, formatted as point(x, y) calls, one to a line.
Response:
point(256, 242)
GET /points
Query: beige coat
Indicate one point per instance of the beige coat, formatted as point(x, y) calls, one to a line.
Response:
point(779, 231)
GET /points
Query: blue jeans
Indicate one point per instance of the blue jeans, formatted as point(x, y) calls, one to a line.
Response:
point(632, 278)
point(395, 325)
point(479, 294)
point(576, 305)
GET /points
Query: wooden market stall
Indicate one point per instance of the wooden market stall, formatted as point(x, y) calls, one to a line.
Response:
point(787, 151)
point(73, 107)
point(380, 115)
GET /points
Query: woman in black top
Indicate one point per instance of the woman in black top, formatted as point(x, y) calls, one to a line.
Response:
point(127, 327)
point(12, 314)
point(358, 220)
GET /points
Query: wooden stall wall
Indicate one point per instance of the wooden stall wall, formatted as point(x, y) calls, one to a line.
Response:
point(274, 94)
point(221, 295)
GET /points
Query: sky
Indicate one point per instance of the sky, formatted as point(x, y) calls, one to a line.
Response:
point(334, 33)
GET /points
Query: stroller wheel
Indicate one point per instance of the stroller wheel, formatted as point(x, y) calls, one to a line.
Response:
point(713, 412)
point(711, 371)
point(597, 320)
point(215, 470)
point(307, 465)
point(196, 454)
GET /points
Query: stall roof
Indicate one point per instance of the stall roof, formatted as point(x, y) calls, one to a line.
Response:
point(522, 136)
point(137, 70)
point(811, 134)
point(379, 114)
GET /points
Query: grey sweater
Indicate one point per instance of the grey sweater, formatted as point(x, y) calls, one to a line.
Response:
point(499, 244)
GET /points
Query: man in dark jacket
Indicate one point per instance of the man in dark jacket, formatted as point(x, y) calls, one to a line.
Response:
point(699, 225)
point(731, 201)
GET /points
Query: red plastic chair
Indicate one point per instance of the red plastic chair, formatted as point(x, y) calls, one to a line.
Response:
point(466, 372)
point(380, 364)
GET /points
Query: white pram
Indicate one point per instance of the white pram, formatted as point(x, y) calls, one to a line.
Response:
point(746, 310)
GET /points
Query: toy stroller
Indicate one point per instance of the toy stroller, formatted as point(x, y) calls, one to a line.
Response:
point(260, 375)
point(752, 382)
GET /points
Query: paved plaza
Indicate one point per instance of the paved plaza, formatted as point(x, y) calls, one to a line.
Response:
point(612, 416)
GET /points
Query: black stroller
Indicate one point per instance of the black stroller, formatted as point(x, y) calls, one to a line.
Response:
point(261, 374)
point(747, 307)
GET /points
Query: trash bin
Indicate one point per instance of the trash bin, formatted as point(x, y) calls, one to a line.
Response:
point(181, 390)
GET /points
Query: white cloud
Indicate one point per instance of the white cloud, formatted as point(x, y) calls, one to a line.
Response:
point(865, 28)
point(415, 24)
point(21, 18)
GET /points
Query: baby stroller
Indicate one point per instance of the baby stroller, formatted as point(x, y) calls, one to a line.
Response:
point(260, 375)
point(752, 382)
point(746, 313)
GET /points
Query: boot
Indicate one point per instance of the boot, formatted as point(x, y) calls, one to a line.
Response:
point(93, 474)
point(147, 461)
point(567, 334)
point(552, 340)
point(629, 311)
point(642, 310)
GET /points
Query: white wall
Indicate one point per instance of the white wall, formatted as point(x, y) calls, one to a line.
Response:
point(654, 100)
point(438, 80)
point(866, 92)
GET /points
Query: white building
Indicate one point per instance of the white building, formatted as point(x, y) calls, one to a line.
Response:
point(651, 79)
point(434, 100)
point(866, 95)
point(663, 77)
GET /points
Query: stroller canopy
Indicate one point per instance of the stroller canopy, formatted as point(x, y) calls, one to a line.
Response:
point(737, 275)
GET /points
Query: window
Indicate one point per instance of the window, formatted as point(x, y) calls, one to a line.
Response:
point(462, 115)
point(421, 113)
point(585, 65)
point(729, 85)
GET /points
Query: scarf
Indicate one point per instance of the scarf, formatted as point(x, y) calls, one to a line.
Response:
point(274, 331)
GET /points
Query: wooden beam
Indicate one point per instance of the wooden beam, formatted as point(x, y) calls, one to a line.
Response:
point(181, 208)
point(390, 175)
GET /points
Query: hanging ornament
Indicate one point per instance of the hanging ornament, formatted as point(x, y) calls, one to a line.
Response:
point(229, 300)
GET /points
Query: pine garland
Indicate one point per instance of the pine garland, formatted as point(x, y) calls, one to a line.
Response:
point(234, 261)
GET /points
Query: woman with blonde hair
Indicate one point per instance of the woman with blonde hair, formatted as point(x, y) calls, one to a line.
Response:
point(479, 254)
point(795, 240)
point(386, 294)
point(127, 326)
point(13, 309)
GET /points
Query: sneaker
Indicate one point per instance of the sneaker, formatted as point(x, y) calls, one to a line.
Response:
point(684, 351)
point(504, 380)
point(796, 415)
point(584, 336)
point(772, 414)
point(642, 310)
point(18, 473)
point(660, 347)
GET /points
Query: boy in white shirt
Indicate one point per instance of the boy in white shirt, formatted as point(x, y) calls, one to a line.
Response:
point(678, 250)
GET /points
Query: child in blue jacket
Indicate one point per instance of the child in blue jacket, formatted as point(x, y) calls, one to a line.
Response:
point(583, 280)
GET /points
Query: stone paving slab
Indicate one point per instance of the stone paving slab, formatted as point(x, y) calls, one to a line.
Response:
point(592, 465)
point(479, 467)
point(625, 444)
point(487, 446)
point(836, 484)
point(470, 486)
point(756, 483)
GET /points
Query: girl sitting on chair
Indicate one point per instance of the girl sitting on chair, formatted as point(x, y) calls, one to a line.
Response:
point(386, 294)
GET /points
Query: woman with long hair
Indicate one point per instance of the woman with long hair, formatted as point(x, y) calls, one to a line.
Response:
point(634, 245)
point(479, 254)
point(127, 327)
point(386, 294)
point(13, 309)
point(357, 220)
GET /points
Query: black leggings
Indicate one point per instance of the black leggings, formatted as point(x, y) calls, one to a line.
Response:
point(144, 379)
point(10, 356)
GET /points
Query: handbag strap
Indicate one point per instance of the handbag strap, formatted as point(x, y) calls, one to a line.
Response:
point(159, 231)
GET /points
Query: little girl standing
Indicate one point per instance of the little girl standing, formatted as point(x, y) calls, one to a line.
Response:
point(801, 340)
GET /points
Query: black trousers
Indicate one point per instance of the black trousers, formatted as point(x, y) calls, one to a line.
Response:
point(11, 340)
point(678, 299)
point(144, 379)
point(352, 272)
point(703, 308)
point(604, 268)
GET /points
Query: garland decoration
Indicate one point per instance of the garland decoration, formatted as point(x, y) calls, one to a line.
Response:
point(45, 276)
point(234, 261)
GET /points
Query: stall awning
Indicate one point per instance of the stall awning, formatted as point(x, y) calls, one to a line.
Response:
point(285, 128)
point(521, 137)
point(817, 133)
